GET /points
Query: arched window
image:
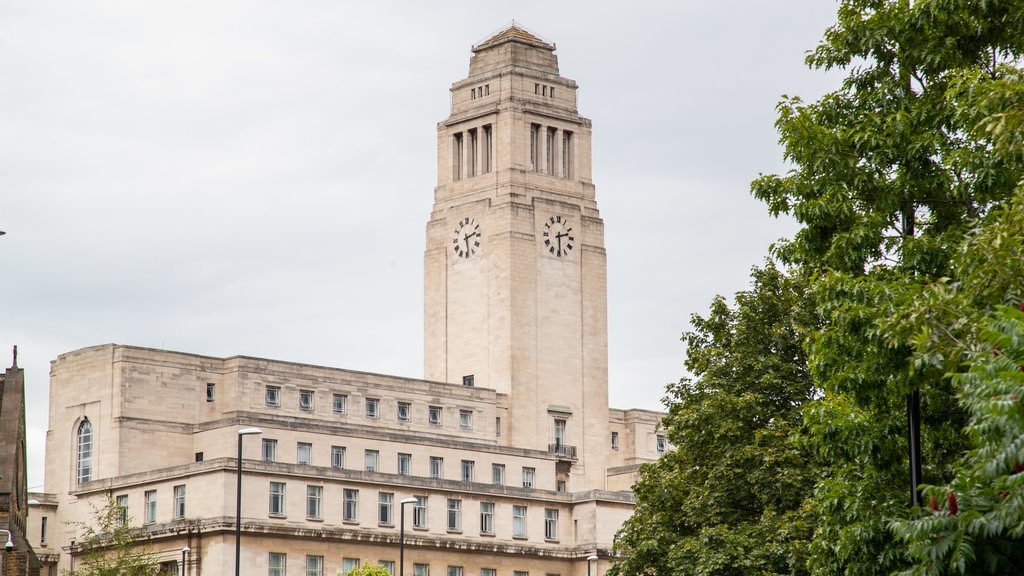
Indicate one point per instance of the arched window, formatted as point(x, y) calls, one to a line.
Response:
point(85, 451)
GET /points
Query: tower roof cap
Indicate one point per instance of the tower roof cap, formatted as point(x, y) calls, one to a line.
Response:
point(514, 32)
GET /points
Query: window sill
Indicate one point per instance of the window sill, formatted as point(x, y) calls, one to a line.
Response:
point(273, 515)
point(386, 524)
point(450, 531)
point(522, 537)
point(350, 522)
point(487, 534)
point(551, 540)
point(314, 519)
point(421, 528)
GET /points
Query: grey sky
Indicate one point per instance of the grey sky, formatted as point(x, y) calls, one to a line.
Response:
point(220, 177)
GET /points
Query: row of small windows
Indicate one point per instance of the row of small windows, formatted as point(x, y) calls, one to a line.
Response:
point(544, 90)
point(386, 511)
point(472, 152)
point(339, 405)
point(149, 507)
point(277, 564)
point(545, 153)
point(660, 444)
point(371, 463)
point(479, 91)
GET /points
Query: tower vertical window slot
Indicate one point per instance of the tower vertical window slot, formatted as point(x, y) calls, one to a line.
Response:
point(488, 149)
point(567, 154)
point(550, 151)
point(457, 157)
point(535, 147)
point(472, 152)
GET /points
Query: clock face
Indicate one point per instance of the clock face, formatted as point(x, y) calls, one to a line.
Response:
point(466, 238)
point(558, 236)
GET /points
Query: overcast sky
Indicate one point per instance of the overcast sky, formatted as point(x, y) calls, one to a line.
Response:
point(255, 177)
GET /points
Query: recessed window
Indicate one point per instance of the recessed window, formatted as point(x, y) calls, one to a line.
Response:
point(528, 474)
point(660, 444)
point(434, 415)
point(454, 515)
point(210, 391)
point(314, 566)
point(350, 506)
point(385, 504)
point(467, 470)
point(388, 565)
point(488, 572)
point(277, 498)
point(314, 499)
point(419, 512)
point(304, 453)
point(550, 524)
point(337, 457)
point(519, 521)
point(340, 402)
point(349, 564)
point(179, 501)
point(497, 426)
point(404, 411)
point(559, 485)
point(277, 562)
point(467, 380)
point(273, 395)
point(42, 531)
point(615, 440)
point(199, 456)
point(370, 460)
point(84, 451)
point(421, 570)
point(487, 517)
point(269, 450)
point(404, 463)
point(436, 466)
point(372, 408)
point(122, 509)
point(455, 571)
point(150, 506)
point(306, 400)
point(498, 474)
point(465, 419)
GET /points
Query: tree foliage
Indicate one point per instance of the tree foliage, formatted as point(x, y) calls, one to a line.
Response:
point(728, 499)
point(110, 545)
point(368, 569)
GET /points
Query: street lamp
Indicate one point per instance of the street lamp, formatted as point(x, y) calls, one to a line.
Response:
point(590, 559)
point(238, 496)
point(10, 543)
point(184, 566)
point(401, 535)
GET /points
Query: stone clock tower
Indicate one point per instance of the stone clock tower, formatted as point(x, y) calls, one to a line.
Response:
point(515, 270)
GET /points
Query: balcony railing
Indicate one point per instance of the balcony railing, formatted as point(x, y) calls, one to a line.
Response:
point(563, 450)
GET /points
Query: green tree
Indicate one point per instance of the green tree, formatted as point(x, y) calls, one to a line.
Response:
point(111, 545)
point(728, 499)
point(367, 569)
point(890, 173)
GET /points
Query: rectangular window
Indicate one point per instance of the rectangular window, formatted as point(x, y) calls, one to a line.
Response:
point(434, 415)
point(404, 411)
point(519, 521)
point(436, 466)
point(465, 419)
point(488, 148)
point(372, 408)
point(528, 474)
point(388, 565)
point(467, 470)
point(350, 508)
point(559, 485)
point(370, 460)
point(273, 395)
point(488, 572)
point(419, 512)
point(150, 506)
point(42, 531)
point(314, 566)
point(534, 147)
point(305, 400)
point(455, 571)
point(454, 515)
point(269, 450)
point(615, 440)
point(421, 570)
point(122, 510)
point(211, 389)
point(550, 524)
point(472, 152)
point(487, 517)
point(179, 501)
point(567, 154)
point(314, 499)
point(559, 435)
point(520, 573)
point(497, 426)
point(277, 498)
point(468, 380)
point(304, 453)
point(385, 501)
point(498, 474)
point(550, 150)
point(660, 444)
point(404, 463)
point(340, 402)
point(349, 564)
point(276, 564)
point(337, 457)
point(457, 157)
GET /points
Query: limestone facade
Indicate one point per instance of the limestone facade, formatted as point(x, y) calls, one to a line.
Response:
point(516, 462)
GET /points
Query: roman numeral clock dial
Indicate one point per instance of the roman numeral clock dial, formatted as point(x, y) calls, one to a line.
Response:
point(466, 238)
point(558, 236)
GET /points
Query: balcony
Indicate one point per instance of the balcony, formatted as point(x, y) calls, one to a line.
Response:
point(565, 451)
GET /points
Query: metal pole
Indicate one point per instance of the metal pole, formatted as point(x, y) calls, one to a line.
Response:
point(184, 565)
point(238, 498)
point(590, 559)
point(401, 534)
